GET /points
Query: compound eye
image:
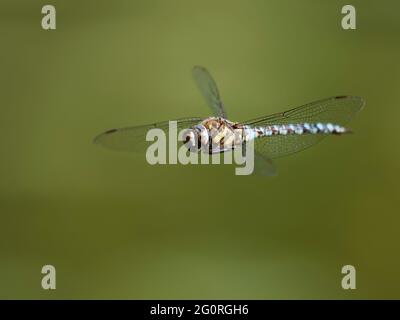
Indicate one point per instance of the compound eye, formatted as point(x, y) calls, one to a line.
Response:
point(186, 137)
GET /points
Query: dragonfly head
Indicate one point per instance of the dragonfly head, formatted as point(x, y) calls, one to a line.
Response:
point(195, 138)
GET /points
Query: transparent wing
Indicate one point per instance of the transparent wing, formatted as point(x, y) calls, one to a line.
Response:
point(279, 146)
point(134, 138)
point(209, 89)
point(263, 165)
point(338, 110)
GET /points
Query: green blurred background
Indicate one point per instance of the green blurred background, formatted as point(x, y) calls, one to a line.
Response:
point(116, 227)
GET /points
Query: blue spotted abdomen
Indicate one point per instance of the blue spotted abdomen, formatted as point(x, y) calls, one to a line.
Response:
point(297, 129)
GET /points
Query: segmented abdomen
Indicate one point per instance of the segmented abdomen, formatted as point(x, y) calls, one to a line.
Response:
point(298, 129)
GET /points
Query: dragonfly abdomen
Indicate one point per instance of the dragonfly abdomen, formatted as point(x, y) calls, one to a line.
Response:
point(297, 129)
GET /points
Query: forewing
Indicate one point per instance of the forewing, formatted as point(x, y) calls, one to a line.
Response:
point(209, 90)
point(134, 138)
point(338, 110)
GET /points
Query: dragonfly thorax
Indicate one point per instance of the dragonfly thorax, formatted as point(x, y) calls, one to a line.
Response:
point(213, 135)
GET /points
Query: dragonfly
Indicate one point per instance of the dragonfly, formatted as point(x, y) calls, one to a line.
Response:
point(274, 135)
